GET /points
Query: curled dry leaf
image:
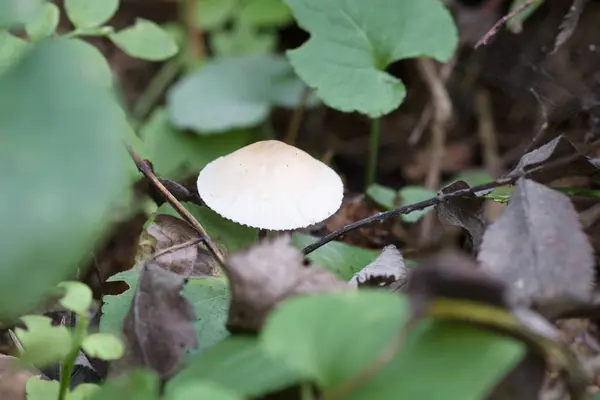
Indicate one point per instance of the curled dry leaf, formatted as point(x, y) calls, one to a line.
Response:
point(466, 212)
point(388, 268)
point(158, 329)
point(557, 148)
point(267, 273)
point(13, 378)
point(177, 248)
point(537, 247)
point(569, 23)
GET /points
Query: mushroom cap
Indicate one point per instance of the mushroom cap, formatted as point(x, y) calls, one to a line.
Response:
point(271, 185)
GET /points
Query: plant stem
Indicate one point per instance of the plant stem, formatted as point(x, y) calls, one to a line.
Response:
point(373, 152)
point(69, 361)
point(296, 120)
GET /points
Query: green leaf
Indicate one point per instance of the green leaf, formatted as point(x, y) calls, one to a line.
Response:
point(50, 225)
point(77, 297)
point(341, 258)
point(213, 14)
point(90, 13)
point(242, 39)
point(383, 195)
point(83, 391)
point(38, 389)
point(202, 390)
point(240, 364)
point(415, 194)
point(305, 332)
point(104, 346)
point(228, 93)
point(353, 41)
point(177, 154)
point(265, 13)
point(96, 68)
point(45, 23)
point(145, 40)
point(477, 358)
point(16, 12)
point(515, 24)
point(210, 298)
point(42, 342)
point(136, 385)
point(11, 50)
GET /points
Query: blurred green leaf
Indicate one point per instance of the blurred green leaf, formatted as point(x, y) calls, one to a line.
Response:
point(515, 24)
point(43, 343)
point(105, 346)
point(44, 23)
point(238, 363)
point(353, 41)
point(136, 385)
point(242, 39)
point(16, 12)
point(145, 40)
point(83, 391)
point(177, 154)
point(61, 200)
point(38, 389)
point(202, 390)
point(228, 93)
point(414, 194)
point(77, 297)
point(90, 13)
point(383, 195)
point(213, 14)
point(341, 258)
point(11, 50)
point(94, 65)
point(265, 13)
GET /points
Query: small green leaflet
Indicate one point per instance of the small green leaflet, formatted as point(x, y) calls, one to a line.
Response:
point(45, 22)
point(90, 13)
point(145, 40)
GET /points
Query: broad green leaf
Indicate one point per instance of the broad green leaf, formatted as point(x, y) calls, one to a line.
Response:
point(16, 12)
point(83, 391)
point(42, 342)
point(94, 65)
point(38, 389)
point(383, 195)
point(105, 346)
point(145, 40)
point(240, 364)
point(265, 13)
point(210, 298)
point(90, 13)
point(77, 297)
point(222, 231)
point(51, 223)
point(353, 41)
point(228, 93)
point(203, 390)
point(414, 194)
point(11, 50)
point(136, 385)
point(477, 359)
point(213, 14)
point(341, 258)
point(177, 154)
point(45, 22)
point(308, 332)
point(242, 39)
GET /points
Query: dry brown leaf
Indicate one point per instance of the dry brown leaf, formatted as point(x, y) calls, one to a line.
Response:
point(13, 378)
point(266, 274)
point(387, 268)
point(158, 329)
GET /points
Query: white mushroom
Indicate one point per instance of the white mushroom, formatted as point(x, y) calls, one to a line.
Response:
point(271, 185)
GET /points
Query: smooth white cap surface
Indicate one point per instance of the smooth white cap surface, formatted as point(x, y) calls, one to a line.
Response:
point(271, 185)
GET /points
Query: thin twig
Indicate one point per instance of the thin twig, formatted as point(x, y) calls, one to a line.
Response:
point(296, 120)
point(487, 132)
point(485, 39)
point(385, 215)
point(185, 214)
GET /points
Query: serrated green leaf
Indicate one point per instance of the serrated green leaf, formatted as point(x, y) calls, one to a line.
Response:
point(265, 13)
point(202, 390)
point(46, 231)
point(136, 385)
point(213, 14)
point(240, 364)
point(45, 23)
point(16, 12)
point(228, 93)
point(145, 40)
point(105, 346)
point(43, 343)
point(77, 297)
point(11, 50)
point(353, 41)
point(341, 258)
point(383, 195)
point(90, 13)
point(242, 39)
point(414, 194)
point(177, 154)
